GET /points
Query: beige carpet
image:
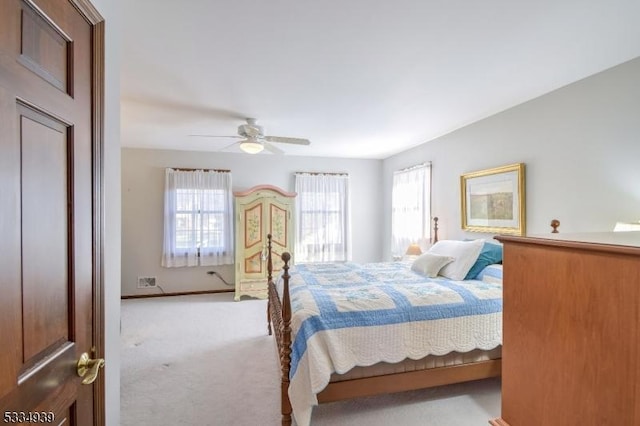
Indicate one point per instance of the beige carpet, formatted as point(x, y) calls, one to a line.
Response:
point(207, 360)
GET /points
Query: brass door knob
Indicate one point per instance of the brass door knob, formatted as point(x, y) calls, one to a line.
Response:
point(89, 368)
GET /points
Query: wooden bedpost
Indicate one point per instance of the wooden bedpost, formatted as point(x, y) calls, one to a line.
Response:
point(269, 279)
point(285, 355)
point(554, 224)
point(435, 230)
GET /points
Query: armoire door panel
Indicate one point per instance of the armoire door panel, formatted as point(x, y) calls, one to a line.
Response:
point(254, 240)
point(276, 260)
point(252, 226)
point(253, 264)
point(278, 224)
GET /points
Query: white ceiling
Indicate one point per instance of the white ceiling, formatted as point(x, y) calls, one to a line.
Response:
point(358, 78)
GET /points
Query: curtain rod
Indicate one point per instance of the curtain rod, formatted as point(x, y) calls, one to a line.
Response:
point(417, 166)
point(183, 169)
point(322, 173)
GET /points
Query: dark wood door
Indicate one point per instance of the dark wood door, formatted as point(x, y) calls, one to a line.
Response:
point(47, 219)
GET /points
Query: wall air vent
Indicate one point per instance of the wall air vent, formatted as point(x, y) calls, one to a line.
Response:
point(147, 282)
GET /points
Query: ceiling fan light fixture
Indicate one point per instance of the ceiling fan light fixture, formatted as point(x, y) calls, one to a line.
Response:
point(251, 146)
point(253, 140)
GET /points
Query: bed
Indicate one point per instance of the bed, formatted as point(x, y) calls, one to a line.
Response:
point(331, 349)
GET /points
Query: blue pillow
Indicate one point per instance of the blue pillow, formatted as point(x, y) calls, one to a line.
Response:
point(490, 254)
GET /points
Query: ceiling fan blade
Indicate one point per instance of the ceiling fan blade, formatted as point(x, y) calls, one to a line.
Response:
point(216, 136)
point(273, 149)
point(228, 146)
point(280, 139)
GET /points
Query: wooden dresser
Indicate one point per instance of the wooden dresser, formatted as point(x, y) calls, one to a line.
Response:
point(571, 341)
point(260, 211)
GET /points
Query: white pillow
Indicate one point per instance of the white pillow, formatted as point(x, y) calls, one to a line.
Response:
point(465, 254)
point(429, 264)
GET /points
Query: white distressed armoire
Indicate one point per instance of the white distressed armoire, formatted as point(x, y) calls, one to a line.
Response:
point(261, 210)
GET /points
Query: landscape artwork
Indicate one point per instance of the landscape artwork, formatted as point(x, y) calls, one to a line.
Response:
point(493, 200)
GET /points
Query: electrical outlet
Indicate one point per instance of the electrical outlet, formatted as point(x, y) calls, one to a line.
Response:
point(147, 282)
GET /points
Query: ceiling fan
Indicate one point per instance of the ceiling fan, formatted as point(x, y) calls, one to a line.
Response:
point(255, 140)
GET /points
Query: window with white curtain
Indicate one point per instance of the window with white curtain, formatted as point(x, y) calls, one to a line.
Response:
point(322, 217)
point(198, 218)
point(411, 208)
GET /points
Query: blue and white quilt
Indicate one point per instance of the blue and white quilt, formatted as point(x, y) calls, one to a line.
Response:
point(347, 314)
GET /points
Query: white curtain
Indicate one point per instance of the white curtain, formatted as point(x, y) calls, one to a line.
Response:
point(198, 218)
point(411, 209)
point(322, 218)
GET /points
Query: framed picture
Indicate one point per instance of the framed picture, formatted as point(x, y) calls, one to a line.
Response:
point(493, 200)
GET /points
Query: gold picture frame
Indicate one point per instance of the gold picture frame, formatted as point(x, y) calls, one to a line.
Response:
point(493, 200)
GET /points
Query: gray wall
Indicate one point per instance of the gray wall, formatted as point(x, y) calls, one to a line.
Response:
point(142, 208)
point(581, 146)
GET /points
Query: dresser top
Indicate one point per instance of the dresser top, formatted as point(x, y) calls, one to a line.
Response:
point(627, 242)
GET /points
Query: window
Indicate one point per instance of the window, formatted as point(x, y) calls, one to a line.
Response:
point(322, 217)
point(411, 208)
point(198, 218)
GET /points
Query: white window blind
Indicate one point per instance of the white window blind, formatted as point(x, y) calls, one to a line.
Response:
point(411, 208)
point(198, 218)
point(322, 218)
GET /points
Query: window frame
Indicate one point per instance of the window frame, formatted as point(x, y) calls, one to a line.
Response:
point(189, 228)
point(422, 237)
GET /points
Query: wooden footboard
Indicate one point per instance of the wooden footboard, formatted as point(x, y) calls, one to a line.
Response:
point(410, 380)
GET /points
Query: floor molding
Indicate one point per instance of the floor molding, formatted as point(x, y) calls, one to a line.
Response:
point(182, 293)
